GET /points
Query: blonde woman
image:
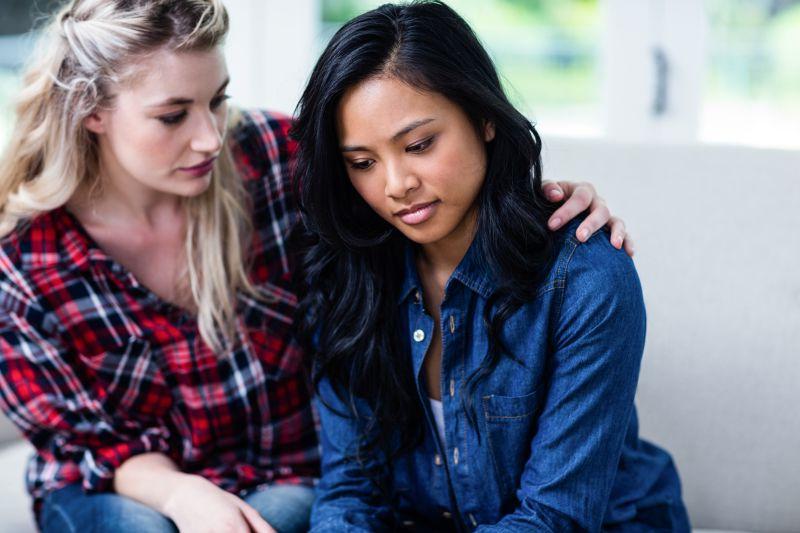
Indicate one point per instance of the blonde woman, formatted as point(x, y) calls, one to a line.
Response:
point(146, 301)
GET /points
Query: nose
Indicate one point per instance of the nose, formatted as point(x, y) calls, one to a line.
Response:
point(399, 181)
point(207, 134)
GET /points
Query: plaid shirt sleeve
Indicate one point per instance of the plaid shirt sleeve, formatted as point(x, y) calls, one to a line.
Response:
point(57, 410)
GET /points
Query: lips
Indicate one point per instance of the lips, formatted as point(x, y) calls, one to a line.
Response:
point(418, 213)
point(202, 169)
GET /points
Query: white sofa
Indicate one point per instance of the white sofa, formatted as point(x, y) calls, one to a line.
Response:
point(718, 252)
point(15, 506)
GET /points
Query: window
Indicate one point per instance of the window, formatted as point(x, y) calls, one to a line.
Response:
point(726, 71)
point(722, 71)
point(752, 86)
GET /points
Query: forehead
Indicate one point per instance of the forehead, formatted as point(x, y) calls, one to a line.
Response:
point(167, 73)
point(379, 106)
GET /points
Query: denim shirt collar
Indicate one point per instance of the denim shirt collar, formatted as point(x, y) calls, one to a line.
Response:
point(472, 272)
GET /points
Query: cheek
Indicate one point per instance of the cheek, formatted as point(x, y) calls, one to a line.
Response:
point(458, 174)
point(372, 191)
point(142, 144)
point(222, 120)
point(149, 143)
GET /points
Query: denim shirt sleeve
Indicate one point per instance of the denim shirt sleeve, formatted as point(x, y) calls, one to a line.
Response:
point(347, 499)
point(597, 337)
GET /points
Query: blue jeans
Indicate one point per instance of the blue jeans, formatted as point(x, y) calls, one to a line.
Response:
point(70, 510)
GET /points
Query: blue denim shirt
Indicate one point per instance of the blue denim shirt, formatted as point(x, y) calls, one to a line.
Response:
point(556, 444)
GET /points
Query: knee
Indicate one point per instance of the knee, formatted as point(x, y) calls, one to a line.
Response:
point(71, 510)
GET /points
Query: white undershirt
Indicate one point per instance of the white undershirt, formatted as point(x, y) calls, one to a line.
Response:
point(438, 417)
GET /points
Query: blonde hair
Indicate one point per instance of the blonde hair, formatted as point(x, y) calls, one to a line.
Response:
point(85, 49)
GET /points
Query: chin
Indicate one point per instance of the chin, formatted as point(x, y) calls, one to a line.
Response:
point(195, 187)
point(419, 235)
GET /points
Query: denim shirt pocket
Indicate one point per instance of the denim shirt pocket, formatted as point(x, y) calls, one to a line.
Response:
point(508, 426)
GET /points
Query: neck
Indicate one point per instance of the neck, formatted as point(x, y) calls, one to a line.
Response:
point(444, 255)
point(119, 201)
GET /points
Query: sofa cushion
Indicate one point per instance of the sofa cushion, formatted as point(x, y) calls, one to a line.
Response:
point(15, 505)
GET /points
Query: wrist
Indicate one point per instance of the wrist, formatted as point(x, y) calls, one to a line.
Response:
point(176, 486)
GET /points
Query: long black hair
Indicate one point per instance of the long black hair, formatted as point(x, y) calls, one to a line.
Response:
point(348, 313)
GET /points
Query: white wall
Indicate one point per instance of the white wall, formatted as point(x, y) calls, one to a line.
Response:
point(270, 50)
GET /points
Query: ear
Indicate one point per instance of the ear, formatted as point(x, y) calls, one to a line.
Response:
point(488, 131)
point(96, 122)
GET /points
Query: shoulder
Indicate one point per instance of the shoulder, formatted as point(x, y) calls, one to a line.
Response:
point(594, 273)
point(264, 153)
point(33, 245)
point(259, 122)
point(260, 140)
point(32, 257)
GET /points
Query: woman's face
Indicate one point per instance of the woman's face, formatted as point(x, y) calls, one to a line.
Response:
point(415, 158)
point(166, 126)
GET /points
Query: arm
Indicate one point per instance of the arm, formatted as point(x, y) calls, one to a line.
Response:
point(192, 502)
point(44, 395)
point(63, 417)
point(346, 498)
point(597, 342)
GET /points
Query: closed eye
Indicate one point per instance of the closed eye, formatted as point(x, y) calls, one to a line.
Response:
point(219, 100)
point(361, 165)
point(173, 118)
point(420, 146)
point(176, 118)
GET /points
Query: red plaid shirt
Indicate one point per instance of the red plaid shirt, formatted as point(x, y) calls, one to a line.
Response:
point(95, 368)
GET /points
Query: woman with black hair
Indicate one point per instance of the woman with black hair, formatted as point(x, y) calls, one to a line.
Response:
point(475, 371)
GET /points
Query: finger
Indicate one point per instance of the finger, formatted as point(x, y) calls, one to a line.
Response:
point(618, 233)
point(241, 526)
point(629, 247)
point(255, 520)
point(552, 191)
point(580, 200)
point(597, 218)
point(568, 187)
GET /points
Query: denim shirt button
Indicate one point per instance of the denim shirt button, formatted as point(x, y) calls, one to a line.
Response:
point(452, 387)
point(455, 456)
point(472, 519)
point(447, 515)
point(437, 460)
point(419, 335)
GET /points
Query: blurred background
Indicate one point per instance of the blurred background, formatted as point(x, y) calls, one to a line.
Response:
point(711, 71)
point(685, 114)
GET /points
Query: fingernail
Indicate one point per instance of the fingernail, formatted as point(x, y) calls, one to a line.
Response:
point(554, 193)
point(583, 234)
point(618, 241)
point(554, 223)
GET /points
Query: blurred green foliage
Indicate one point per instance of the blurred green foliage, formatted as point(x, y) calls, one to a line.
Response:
point(754, 50)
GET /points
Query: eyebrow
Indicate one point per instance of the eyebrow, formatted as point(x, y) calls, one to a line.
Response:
point(407, 129)
point(182, 101)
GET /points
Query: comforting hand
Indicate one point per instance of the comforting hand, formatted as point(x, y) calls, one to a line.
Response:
point(578, 197)
point(199, 506)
